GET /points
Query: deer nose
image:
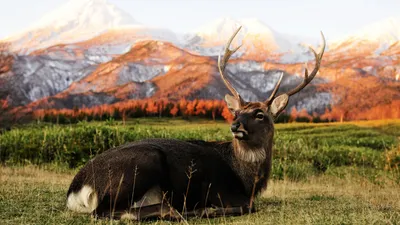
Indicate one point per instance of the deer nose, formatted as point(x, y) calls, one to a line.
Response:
point(235, 127)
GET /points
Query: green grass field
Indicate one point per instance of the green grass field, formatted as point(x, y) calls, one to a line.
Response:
point(345, 173)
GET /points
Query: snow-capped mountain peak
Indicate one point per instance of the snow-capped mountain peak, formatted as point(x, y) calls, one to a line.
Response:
point(256, 26)
point(220, 28)
point(258, 39)
point(225, 26)
point(76, 20)
point(86, 13)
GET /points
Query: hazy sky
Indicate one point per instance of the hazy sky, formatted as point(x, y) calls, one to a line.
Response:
point(298, 17)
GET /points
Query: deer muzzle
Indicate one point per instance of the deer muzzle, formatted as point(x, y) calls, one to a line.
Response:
point(238, 130)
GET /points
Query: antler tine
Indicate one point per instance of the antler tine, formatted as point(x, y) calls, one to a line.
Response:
point(272, 96)
point(307, 77)
point(221, 65)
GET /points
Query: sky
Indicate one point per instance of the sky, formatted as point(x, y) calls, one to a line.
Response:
point(306, 18)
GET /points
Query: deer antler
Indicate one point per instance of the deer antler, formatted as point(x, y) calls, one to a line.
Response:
point(308, 78)
point(221, 65)
point(272, 96)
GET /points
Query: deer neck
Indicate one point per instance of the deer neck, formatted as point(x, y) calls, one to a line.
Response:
point(253, 163)
point(253, 153)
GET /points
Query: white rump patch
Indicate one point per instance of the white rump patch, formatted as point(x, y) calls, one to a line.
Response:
point(85, 201)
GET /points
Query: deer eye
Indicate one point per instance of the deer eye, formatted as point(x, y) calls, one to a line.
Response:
point(235, 114)
point(260, 115)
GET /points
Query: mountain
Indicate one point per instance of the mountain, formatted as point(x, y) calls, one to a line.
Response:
point(160, 70)
point(372, 39)
point(81, 20)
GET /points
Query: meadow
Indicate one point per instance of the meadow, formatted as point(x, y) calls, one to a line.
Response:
point(323, 173)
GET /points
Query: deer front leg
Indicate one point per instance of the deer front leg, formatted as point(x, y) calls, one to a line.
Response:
point(217, 212)
point(156, 211)
point(160, 211)
point(226, 203)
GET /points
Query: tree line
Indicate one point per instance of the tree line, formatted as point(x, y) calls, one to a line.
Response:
point(186, 109)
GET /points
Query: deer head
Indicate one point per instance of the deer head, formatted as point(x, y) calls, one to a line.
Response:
point(253, 120)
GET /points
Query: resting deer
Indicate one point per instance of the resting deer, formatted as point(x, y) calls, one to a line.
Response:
point(167, 178)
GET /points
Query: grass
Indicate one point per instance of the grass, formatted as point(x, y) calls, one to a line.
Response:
point(322, 173)
point(31, 195)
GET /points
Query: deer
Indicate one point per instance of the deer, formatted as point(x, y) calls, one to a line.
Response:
point(176, 179)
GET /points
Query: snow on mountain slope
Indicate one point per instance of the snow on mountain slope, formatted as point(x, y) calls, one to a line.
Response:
point(109, 44)
point(374, 38)
point(75, 21)
point(119, 40)
point(35, 77)
point(393, 50)
point(387, 30)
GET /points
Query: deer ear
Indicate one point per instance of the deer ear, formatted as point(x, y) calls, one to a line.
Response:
point(278, 105)
point(232, 102)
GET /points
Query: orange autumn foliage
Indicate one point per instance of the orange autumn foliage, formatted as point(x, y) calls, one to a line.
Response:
point(136, 108)
point(227, 114)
